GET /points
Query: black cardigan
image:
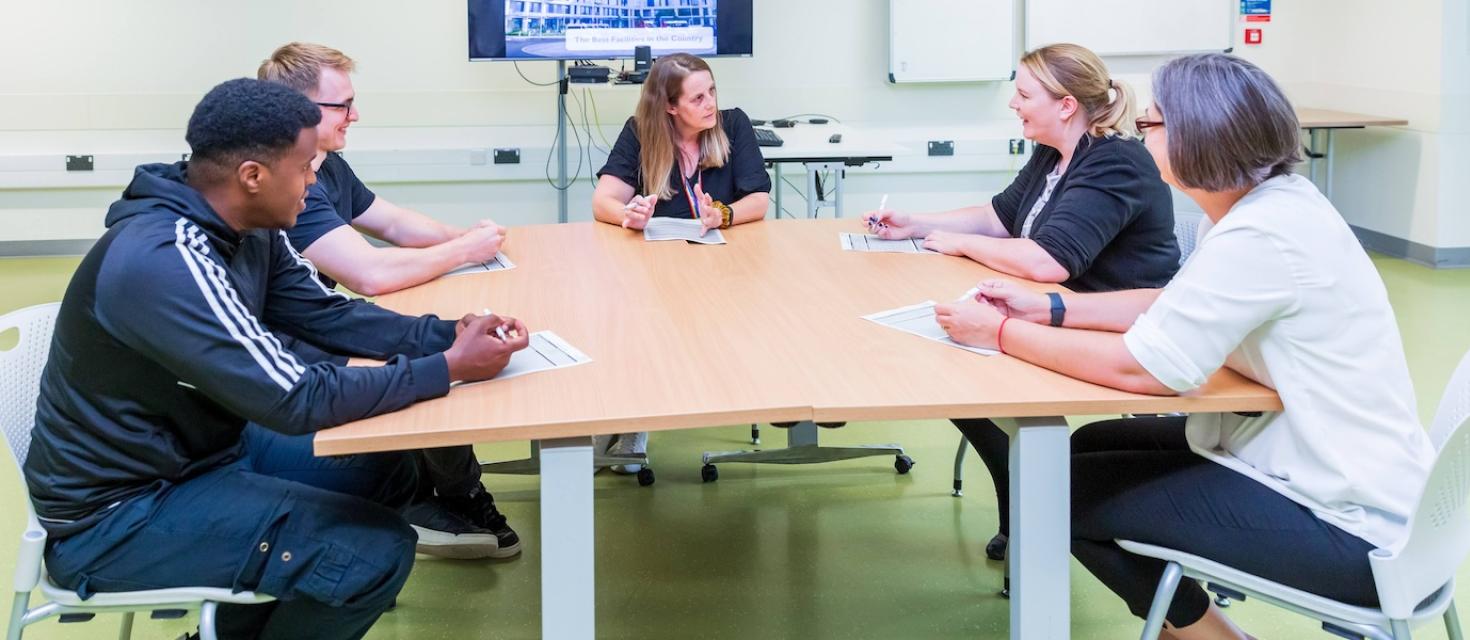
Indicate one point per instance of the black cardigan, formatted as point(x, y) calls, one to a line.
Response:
point(1110, 219)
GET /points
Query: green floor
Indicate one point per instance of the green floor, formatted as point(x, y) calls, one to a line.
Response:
point(845, 550)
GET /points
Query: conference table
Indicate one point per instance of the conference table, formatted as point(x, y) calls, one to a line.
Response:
point(765, 328)
point(1328, 121)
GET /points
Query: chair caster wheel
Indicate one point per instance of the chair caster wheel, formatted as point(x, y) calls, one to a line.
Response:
point(709, 473)
point(645, 476)
point(903, 464)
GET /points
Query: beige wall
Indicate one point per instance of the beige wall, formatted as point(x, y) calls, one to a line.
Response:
point(78, 75)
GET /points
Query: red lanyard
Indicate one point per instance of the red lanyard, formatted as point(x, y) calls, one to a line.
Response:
point(689, 193)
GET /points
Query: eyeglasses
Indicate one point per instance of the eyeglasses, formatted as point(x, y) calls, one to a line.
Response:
point(345, 106)
point(1143, 125)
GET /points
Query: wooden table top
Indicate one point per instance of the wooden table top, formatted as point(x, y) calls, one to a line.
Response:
point(1328, 119)
point(767, 327)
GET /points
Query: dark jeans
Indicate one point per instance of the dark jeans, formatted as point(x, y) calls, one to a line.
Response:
point(328, 544)
point(452, 471)
point(1136, 479)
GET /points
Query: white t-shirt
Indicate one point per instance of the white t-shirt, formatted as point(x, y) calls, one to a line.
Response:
point(1281, 292)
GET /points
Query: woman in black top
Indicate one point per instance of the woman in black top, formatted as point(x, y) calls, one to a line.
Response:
point(680, 156)
point(1089, 209)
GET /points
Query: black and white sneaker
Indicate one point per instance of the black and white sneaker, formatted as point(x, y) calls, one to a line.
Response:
point(463, 527)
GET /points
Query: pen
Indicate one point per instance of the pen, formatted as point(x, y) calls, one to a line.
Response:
point(499, 330)
point(873, 224)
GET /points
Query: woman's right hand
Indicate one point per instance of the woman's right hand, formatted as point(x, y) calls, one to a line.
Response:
point(891, 225)
point(1015, 301)
point(638, 212)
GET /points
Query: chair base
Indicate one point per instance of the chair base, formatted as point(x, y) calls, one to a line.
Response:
point(531, 466)
point(802, 448)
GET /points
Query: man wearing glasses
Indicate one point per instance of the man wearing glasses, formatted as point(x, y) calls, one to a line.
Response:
point(454, 515)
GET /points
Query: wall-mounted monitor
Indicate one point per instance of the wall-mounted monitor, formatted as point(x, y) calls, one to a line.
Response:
point(607, 29)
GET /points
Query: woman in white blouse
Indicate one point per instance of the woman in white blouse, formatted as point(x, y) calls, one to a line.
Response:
point(1278, 290)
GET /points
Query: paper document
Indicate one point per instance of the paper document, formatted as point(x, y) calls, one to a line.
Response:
point(874, 244)
point(681, 229)
point(919, 320)
point(498, 263)
point(546, 351)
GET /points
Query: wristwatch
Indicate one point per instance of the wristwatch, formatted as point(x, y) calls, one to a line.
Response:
point(727, 215)
point(1058, 310)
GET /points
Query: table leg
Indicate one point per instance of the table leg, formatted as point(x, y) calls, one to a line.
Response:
point(566, 539)
point(1329, 164)
point(1041, 527)
point(777, 168)
point(811, 190)
point(1311, 155)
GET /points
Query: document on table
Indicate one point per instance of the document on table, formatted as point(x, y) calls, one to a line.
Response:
point(681, 229)
point(546, 351)
point(919, 320)
point(874, 244)
point(499, 263)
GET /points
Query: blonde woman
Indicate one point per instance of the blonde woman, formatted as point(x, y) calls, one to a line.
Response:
point(680, 156)
point(1088, 210)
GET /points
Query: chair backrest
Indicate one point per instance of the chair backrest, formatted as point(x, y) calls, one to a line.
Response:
point(20, 373)
point(1186, 227)
point(1438, 538)
point(1454, 407)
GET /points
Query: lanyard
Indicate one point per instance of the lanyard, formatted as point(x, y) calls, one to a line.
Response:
point(689, 193)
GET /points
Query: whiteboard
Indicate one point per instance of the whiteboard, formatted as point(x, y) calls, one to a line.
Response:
point(951, 40)
point(1133, 27)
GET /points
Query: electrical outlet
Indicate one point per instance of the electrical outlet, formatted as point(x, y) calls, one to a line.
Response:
point(508, 156)
point(1018, 146)
point(79, 163)
point(941, 147)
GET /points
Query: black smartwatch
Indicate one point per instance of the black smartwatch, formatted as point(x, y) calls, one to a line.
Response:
point(1058, 310)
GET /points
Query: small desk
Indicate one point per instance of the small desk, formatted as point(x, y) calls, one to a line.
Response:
point(741, 341)
point(1315, 120)
point(809, 145)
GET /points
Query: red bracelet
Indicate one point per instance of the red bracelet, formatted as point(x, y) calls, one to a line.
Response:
point(999, 333)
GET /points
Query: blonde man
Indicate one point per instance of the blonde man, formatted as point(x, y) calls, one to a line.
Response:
point(455, 516)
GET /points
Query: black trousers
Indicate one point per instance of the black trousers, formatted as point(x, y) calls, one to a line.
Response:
point(1136, 479)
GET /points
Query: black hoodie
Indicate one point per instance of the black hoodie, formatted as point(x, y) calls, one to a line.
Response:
point(163, 351)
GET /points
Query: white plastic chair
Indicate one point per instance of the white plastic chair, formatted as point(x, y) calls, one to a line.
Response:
point(1415, 580)
point(20, 380)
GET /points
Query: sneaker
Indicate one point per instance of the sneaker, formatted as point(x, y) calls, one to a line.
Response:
point(629, 444)
point(996, 548)
point(464, 527)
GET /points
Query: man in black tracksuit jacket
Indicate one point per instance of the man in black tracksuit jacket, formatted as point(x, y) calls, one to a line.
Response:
point(162, 355)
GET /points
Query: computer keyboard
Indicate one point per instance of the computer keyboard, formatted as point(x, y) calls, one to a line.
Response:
point(767, 138)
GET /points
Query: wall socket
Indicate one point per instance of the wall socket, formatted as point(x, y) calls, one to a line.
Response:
point(508, 156)
point(79, 163)
point(1018, 146)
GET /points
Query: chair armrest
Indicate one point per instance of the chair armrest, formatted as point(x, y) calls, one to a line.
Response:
point(32, 549)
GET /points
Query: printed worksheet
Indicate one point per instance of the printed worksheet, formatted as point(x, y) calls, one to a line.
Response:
point(499, 263)
point(546, 351)
point(681, 229)
point(919, 320)
point(874, 244)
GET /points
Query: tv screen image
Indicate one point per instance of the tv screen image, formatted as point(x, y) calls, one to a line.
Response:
point(601, 29)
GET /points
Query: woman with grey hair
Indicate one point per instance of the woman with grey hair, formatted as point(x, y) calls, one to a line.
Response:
point(1278, 290)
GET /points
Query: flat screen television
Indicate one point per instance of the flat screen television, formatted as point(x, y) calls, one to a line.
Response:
point(607, 29)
